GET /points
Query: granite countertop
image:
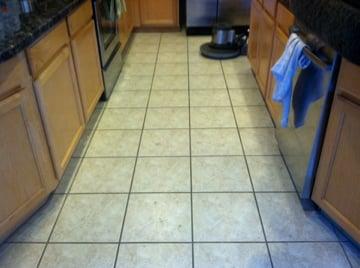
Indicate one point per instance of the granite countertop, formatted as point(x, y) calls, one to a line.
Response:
point(19, 30)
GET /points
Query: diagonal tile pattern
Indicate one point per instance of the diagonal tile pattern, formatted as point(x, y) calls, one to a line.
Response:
point(180, 168)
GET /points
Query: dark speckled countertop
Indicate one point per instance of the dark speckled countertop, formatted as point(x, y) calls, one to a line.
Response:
point(19, 30)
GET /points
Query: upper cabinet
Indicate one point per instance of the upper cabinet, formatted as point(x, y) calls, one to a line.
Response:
point(26, 171)
point(159, 13)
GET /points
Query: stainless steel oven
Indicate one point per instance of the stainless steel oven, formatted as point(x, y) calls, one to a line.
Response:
point(109, 42)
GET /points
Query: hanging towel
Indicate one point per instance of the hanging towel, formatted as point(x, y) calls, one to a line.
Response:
point(284, 71)
point(120, 7)
point(312, 84)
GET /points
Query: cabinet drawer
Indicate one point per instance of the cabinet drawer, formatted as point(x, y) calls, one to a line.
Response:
point(349, 81)
point(80, 17)
point(270, 7)
point(284, 18)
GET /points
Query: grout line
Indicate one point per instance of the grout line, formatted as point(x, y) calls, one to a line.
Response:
point(137, 154)
point(179, 128)
point(248, 169)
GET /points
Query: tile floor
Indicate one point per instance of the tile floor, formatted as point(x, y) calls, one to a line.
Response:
point(179, 169)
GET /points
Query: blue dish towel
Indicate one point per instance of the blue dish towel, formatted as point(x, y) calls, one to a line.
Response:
point(284, 71)
point(312, 84)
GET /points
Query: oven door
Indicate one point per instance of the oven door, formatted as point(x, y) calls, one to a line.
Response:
point(107, 27)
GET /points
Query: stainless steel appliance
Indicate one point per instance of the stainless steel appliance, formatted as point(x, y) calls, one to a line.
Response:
point(205, 13)
point(301, 146)
point(109, 42)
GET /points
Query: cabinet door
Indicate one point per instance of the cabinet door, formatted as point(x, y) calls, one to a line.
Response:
point(87, 66)
point(265, 47)
point(337, 185)
point(254, 35)
point(279, 43)
point(60, 107)
point(159, 13)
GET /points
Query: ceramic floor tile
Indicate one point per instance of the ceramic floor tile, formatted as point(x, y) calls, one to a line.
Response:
point(207, 82)
point(104, 175)
point(79, 255)
point(167, 118)
point(141, 58)
point(172, 57)
point(259, 141)
point(20, 255)
point(231, 255)
point(195, 57)
point(128, 99)
point(269, 173)
point(215, 142)
point(133, 83)
point(171, 69)
point(90, 218)
point(138, 69)
point(353, 254)
point(321, 255)
point(246, 97)
point(206, 98)
point(160, 174)
point(122, 118)
point(158, 217)
point(169, 82)
point(253, 116)
point(175, 47)
point(239, 65)
point(220, 174)
point(195, 42)
point(146, 38)
point(155, 255)
point(68, 177)
point(38, 227)
point(172, 98)
point(285, 220)
point(240, 81)
point(226, 217)
point(173, 38)
point(165, 143)
point(205, 68)
point(214, 117)
point(143, 47)
point(112, 143)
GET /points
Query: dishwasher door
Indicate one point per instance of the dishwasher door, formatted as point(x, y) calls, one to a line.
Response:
point(234, 12)
point(201, 13)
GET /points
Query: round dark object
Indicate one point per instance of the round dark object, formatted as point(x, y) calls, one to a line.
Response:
point(209, 51)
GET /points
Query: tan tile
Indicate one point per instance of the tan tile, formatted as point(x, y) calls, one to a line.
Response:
point(205, 68)
point(128, 99)
point(241, 81)
point(196, 57)
point(142, 47)
point(239, 65)
point(146, 38)
point(259, 141)
point(252, 116)
point(207, 82)
point(246, 97)
point(174, 47)
point(172, 57)
point(212, 117)
point(133, 83)
point(171, 69)
point(167, 118)
point(173, 98)
point(169, 82)
point(20, 255)
point(206, 98)
point(141, 57)
point(122, 119)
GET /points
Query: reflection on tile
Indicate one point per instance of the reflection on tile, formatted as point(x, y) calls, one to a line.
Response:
point(215, 142)
point(143, 48)
point(207, 82)
point(252, 116)
point(239, 65)
point(158, 217)
point(226, 217)
point(175, 47)
point(243, 255)
point(20, 255)
point(128, 99)
point(353, 254)
point(38, 227)
point(138, 69)
point(246, 97)
point(68, 177)
point(141, 57)
point(107, 143)
point(241, 81)
point(285, 220)
point(165, 143)
point(146, 38)
point(259, 141)
point(171, 69)
point(214, 117)
point(94, 119)
point(326, 255)
point(83, 143)
point(155, 255)
point(162, 175)
point(90, 218)
point(167, 118)
point(269, 173)
point(220, 174)
point(122, 118)
point(172, 57)
point(167, 82)
point(174, 98)
point(104, 175)
point(205, 68)
point(206, 98)
point(133, 83)
point(79, 255)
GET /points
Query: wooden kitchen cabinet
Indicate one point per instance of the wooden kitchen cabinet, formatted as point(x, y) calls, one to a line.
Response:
point(159, 13)
point(126, 23)
point(26, 172)
point(88, 68)
point(254, 35)
point(59, 103)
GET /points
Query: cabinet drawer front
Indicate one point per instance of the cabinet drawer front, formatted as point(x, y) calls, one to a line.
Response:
point(80, 17)
point(284, 18)
point(349, 81)
point(45, 49)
